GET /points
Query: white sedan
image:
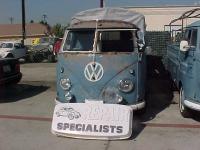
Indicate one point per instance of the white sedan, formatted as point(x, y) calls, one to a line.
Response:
point(12, 49)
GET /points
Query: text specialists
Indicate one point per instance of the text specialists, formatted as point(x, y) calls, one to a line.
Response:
point(90, 128)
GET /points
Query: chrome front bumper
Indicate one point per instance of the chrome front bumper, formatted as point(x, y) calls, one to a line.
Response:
point(134, 107)
point(192, 105)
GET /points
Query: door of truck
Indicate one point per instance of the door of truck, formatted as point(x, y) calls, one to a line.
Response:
point(196, 60)
point(188, 63)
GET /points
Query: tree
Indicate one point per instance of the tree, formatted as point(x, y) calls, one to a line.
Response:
point(32, 21)
point(58, 30)
point(42, 22)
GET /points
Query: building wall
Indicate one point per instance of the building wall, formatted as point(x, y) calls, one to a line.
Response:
point(157, 17)
point(28, 40)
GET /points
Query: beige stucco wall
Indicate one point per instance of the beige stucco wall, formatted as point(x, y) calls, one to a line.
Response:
point(27, 41)
point(157, 17)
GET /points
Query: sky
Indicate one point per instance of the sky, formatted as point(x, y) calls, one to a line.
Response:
point(60, 11)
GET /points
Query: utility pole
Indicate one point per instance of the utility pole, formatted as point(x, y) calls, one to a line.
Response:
point(23, 22)
point(101, 3)
point(11, 20)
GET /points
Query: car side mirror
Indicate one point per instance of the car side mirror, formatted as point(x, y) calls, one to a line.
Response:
point(184, 46)
point(141, 45)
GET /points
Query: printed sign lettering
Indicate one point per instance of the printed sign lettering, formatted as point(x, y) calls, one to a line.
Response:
point(90, 128)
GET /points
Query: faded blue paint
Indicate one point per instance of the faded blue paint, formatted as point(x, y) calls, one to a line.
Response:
point(116, 66)
point(117, 46)
point(185, 67)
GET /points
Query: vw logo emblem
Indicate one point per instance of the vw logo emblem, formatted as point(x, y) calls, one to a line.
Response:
point(93, 71)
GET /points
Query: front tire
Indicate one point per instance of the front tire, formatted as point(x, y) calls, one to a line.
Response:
point(185, 112)
point(10, 56)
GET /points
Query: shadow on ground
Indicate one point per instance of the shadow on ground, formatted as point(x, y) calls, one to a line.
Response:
point(159, 93)
point(13, 93)
point(159, 97)
point(196, 115)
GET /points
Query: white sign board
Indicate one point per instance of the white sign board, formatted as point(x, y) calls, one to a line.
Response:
point(92, 121)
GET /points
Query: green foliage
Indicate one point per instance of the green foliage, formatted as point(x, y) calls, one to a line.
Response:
point(58, 30)
point(42, 22)
point(32, 21)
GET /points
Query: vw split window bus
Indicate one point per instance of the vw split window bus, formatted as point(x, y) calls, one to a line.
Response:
point(100, 75)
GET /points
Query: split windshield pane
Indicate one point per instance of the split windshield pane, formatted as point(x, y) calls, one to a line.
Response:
point(116, 41)
point(79, 41)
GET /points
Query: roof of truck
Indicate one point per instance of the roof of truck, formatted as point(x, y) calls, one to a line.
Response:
point(194, 24)
point(111, 14)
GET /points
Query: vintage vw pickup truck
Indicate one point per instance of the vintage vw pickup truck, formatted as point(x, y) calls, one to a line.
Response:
point(184, 67)
point(101, 73)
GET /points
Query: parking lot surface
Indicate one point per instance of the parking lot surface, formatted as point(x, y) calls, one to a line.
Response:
point(26, 111)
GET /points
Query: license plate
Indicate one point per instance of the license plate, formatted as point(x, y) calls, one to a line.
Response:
point(92, 121)
point(6, 69)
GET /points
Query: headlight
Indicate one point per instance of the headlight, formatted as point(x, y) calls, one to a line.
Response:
point(68, 97)
point(126, 85)
point(65, 84)
point(111, 96)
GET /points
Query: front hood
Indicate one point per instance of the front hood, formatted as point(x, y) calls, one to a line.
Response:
point(4, 52)
point(4, 49)
point(110, 69)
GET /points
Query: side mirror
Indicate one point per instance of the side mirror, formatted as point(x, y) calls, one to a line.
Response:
point(184, 46)
point(141, 45)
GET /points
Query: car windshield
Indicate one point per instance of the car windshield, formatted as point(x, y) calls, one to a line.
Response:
point(79, 41)
point(116, 41)
point(6, 45)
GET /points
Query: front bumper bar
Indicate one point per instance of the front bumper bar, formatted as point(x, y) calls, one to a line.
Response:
point(134, 107)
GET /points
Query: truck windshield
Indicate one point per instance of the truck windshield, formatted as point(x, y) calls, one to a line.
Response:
point(79, 40)
point(116, 41)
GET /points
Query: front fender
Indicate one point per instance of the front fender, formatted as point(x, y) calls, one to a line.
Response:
point(5, 54)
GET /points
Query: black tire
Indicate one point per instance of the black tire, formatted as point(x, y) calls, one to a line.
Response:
point(185, 112)
point(16, 81)
point(10, 56)
point(141, 111)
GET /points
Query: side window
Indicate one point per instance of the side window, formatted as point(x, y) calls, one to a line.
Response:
point(17, 46)
point(191, 36)
point(193, 40)
point(68, 40)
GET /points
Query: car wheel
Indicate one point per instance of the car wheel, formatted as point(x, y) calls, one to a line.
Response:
point(185, 112)
point(10, 56)
point(142, 111)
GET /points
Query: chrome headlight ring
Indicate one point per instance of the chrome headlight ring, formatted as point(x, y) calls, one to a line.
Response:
point(126, 85)
point(65, 84)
